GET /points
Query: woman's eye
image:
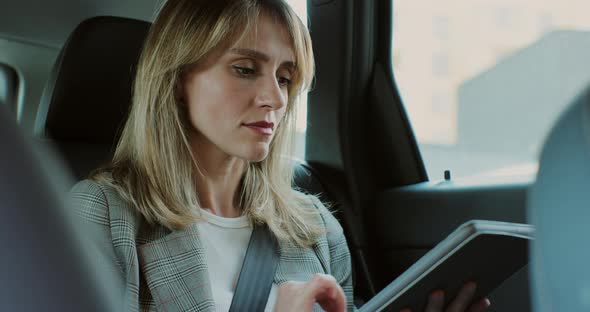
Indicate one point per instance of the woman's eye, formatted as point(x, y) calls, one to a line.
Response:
point(284, 81)
point(244, 71)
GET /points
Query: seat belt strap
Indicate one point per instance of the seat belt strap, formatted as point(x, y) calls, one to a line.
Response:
point(257, 272)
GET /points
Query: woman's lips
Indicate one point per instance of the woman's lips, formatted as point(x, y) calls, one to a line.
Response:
point(260, 130)
point(261, 127)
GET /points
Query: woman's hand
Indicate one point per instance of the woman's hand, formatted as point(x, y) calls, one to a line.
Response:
point(300, 296)
point(460, 304)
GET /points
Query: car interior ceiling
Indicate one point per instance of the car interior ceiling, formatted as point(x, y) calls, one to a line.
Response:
point(361, 153)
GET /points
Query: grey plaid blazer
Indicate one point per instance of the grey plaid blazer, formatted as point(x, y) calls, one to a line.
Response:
point(161, 270)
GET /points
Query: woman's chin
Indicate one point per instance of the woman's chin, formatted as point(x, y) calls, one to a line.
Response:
point(257, 153)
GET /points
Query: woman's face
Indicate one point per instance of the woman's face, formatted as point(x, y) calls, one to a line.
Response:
point(237, 98)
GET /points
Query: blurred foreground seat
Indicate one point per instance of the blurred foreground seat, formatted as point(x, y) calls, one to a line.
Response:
point(46, 264)
point(559, 207)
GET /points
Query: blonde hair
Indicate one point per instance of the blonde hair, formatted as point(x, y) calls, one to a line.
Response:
point(153, 166)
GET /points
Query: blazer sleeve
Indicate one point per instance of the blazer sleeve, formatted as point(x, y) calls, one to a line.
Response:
point(90, 203)
point(340, 262)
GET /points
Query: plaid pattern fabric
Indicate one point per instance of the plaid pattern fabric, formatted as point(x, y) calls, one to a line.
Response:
point(162, 270)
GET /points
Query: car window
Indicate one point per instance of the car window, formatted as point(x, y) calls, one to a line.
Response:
point(482, 81)
point(300, 7)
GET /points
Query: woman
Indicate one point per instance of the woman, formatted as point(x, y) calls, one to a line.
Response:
point(200, 160)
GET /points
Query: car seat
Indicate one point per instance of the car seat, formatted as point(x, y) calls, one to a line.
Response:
point(559, 207)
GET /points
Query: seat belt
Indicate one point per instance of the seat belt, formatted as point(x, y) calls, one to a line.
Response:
point(257, 272)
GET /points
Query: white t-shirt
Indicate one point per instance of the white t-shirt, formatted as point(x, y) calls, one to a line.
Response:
point(225, 241)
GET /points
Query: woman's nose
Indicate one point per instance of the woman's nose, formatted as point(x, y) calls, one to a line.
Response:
point(270, 94)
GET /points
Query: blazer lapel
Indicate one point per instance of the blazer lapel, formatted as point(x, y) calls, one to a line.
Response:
point(176, 272)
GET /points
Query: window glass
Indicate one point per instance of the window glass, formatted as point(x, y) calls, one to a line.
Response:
point(482, 81)
point(300, 7)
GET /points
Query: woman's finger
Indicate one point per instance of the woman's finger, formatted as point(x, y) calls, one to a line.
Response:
point(436, 301)
point(480, 306)
point(461, 302)
point(327, 293)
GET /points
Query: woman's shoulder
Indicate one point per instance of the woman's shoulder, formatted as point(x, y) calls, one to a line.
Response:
point(98, 193)
point(89, 188)
point(334, 230)
point(98, 202)
point(325, 216)
point(89, 201)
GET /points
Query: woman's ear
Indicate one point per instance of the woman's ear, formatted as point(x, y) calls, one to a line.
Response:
point(179, 93)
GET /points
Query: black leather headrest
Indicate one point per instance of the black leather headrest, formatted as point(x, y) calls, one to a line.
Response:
point(88, 94)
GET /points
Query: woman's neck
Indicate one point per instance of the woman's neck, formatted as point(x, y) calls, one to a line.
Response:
point(218, 181)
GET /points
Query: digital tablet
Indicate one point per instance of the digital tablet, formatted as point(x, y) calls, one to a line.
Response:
point(486, 252)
